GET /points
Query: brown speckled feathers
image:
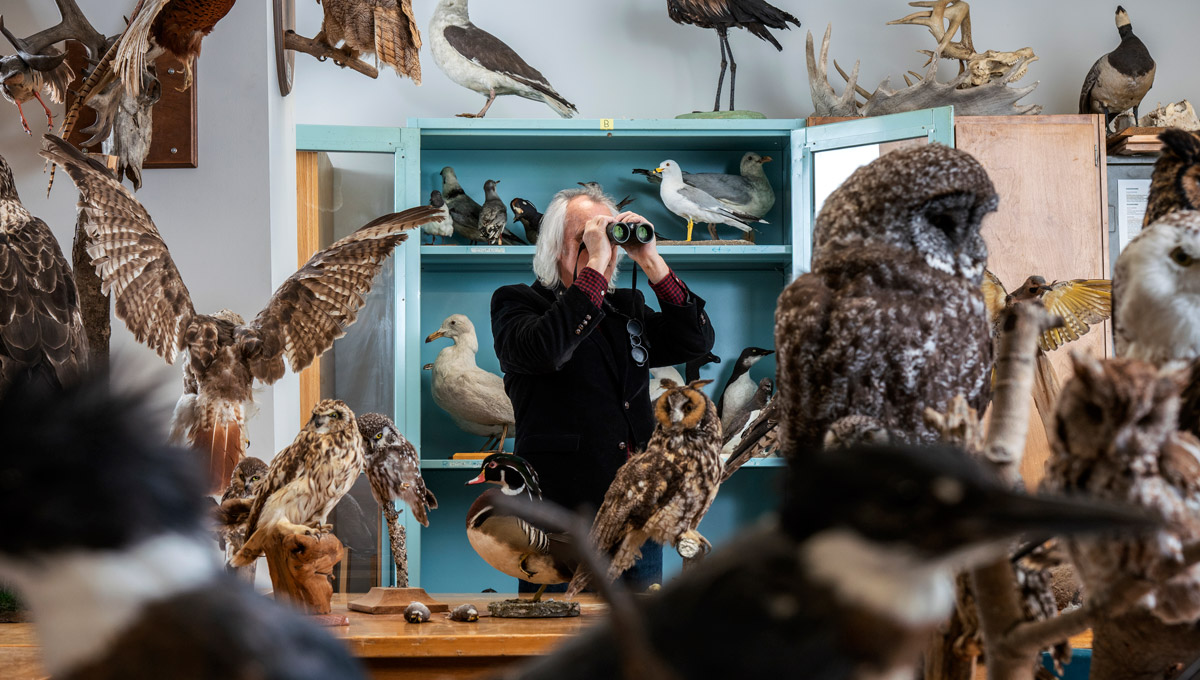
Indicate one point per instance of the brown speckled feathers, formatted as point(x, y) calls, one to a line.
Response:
point(386, 28)
point(1175, 183)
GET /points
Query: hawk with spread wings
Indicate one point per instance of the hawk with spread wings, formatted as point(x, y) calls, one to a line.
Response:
point(310, 310)
point(1080, 303)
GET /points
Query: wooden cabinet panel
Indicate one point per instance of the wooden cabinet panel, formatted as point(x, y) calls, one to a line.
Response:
point(1052, 221)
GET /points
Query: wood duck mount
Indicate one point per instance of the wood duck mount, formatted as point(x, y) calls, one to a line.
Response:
point(301, 569)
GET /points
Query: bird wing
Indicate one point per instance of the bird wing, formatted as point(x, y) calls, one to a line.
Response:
point(1181, 464)
point(733, 189)
point(761, 436)
point(285, 466)
point(316, 304)
point(134, 44)
point(491, 53)
point(130, 257)
point(1089, 83)
point(480, 397)
point(1189, 409)
point(40, 322)
point(1080, 303)
point(397, 467)
point(636, 493)
point(398, 40)
point(705, 201)
point(995, 297)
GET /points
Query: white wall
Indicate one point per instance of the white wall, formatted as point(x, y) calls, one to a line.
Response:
point(218, 219)
point(626, 59)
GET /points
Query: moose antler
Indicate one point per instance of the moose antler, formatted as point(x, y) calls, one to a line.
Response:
point(994, 98)
point(825, 100)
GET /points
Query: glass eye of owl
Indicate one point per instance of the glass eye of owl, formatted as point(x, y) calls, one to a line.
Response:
point(1181, 257)
point(379, 435)
point(254, 478)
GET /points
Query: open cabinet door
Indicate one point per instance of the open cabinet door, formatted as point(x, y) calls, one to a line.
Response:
point(1052, 221)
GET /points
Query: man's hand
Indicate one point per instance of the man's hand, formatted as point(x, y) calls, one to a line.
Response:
point(644, 254)
point(598, 250)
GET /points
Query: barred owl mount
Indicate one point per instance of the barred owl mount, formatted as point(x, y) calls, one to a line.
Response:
point(225, 355)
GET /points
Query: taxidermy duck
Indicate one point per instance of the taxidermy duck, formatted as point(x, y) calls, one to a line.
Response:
point(740, 387)
point(1119, 79)
point(509, 543)
point(473, 397)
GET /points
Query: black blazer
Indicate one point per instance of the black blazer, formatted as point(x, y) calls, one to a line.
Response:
point(582, 405)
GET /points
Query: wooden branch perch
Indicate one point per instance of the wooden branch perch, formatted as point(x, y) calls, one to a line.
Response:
point(322, 51)
point(398, 539)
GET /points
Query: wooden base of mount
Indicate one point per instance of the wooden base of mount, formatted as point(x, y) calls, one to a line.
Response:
point(395, 601)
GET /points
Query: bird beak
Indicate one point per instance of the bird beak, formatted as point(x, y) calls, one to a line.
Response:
point(657, 169)
point(435, 335)
point(1017, 514)
point(766, 159)
point(427, 367)
point(478, 480)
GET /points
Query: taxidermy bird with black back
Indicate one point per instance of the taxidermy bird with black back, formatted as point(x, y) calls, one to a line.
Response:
point(1120, 79)
point(479, 61)
point(756, 16)
point(739, 387)
point(41, 328)
point(848, 583)
point(225, 354)
point(527, 214)
point(891, 319)
point(120, 574)
point(507, 542)
point(662, 493)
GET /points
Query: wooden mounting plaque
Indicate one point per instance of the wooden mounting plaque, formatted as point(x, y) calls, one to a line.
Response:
point(395, 601)
point(174, 142)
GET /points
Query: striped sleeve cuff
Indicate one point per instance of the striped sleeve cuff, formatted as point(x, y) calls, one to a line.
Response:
point(593, 284)
point(671, 290)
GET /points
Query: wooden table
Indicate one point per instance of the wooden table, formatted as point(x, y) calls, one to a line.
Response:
point(390, 647)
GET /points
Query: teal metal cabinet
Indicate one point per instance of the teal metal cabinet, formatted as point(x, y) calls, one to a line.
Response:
point(534, 159)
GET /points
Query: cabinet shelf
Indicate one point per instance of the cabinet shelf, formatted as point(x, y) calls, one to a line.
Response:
point(708, 257)
point(447, 464)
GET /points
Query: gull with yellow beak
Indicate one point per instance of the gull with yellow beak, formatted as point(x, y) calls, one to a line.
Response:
point(473, 397)
point(697, 205)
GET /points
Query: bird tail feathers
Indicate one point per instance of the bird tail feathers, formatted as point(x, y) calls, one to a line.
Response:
point(220, 447)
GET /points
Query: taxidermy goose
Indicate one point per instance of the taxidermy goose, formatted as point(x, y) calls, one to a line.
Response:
point(1119, 79)
point(509, 543)
point(473, 397)
point(740, 388)
point(479, 61)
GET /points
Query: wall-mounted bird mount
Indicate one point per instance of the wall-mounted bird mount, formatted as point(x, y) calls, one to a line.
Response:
point(352, 28)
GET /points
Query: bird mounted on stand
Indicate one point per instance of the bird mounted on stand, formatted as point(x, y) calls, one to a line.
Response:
point(756, 16)
point(310, 310)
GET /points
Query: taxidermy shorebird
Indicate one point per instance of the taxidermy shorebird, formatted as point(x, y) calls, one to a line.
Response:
point(473, 397)
point(507, 542)
point(851, 580)
point(1120, 79)
point(755, 16)
point(479, 61)
point(749, 192)
point(697, 205)
point(1080, 303)
point(310, 310)
point(740, 387)
point(663, 492)
point(121, 577)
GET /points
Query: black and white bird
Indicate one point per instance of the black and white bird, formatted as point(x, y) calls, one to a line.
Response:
point(740, 387)
point(479, 61)
point(741, 419)
point(697, 205)
point(1119, 79)
point(111, 554)
point(444, 224)
point(748, 192)
point(755, 16)
point(527, 214)
point(851, 580)
point(494, 216)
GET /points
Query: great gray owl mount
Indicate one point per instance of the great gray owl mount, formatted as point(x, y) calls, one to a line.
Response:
point(891, 319)
point(310, 310)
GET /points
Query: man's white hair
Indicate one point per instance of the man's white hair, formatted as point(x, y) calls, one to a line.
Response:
point(554, 223)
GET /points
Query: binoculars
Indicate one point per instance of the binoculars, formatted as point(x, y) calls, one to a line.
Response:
point(621, 233)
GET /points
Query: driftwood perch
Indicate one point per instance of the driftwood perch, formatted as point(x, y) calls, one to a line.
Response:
point(302, 569)
point(398, 539)
point(322, 51)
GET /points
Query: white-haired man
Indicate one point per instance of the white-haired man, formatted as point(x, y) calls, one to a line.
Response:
point(576, 353)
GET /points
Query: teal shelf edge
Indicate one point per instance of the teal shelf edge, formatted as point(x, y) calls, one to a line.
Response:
point(722, 256)
point(600, 125)
point(445, 464)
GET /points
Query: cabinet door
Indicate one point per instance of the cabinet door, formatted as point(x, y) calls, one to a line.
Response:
point(1052, 221)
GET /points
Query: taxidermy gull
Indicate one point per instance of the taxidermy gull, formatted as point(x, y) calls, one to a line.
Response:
point(750, 192)
point(479, 61)
point(697, 205)
point(473, 397)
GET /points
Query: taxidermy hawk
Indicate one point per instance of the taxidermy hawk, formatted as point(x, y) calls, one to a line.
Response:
point(386, 28)
point(225, 355)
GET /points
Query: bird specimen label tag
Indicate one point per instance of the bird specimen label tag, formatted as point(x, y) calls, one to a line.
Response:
point(606, 124)
point(497, 249)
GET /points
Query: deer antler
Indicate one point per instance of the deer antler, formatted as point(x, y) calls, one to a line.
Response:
point(825, 100)
point(959, 15)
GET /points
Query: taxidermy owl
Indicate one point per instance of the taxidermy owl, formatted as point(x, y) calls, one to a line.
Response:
point(663, 492)
point(41, 329)
point(306, 480)
point(386, 28)
point(1156, 292)
point(1175, 183)
point(1080, 303)
point(310, 310)
point(1116, 440)
point(891, 319)
point(393, 468)
point(243, 486)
